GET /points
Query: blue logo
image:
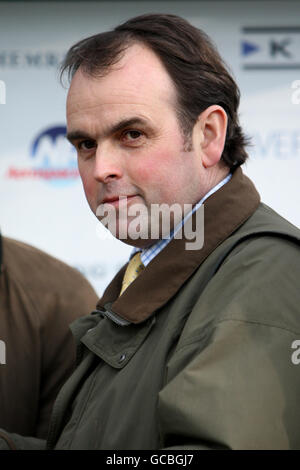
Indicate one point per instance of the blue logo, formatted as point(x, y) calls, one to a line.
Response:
point(54, 157)
point(249, 48)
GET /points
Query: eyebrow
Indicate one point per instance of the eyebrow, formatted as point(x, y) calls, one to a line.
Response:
point(78, 134)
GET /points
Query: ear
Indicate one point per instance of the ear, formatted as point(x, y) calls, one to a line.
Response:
point(209, 135)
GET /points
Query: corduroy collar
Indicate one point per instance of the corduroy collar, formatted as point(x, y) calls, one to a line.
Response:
point(224, 211)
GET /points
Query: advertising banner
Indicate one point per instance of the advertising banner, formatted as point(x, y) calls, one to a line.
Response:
point(41, 197)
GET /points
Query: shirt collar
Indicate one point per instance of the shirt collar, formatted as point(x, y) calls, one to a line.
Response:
point(148, 254)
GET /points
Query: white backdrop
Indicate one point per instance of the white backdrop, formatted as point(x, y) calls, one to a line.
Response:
point(41, 197)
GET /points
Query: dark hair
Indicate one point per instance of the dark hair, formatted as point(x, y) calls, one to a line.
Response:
point(200, 76)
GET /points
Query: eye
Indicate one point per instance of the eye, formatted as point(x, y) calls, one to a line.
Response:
point(131, 136)
point(86, 145)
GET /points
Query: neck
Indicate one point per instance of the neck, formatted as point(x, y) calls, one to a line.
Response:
point(213, 176)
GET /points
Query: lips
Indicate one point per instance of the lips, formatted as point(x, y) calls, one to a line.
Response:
point(110, 199)
point(116, 200)
point(107, 200)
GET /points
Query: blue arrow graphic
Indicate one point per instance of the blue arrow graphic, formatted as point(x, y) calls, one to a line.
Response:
point(249, 48)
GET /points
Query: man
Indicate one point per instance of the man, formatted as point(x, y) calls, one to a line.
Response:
point(192, 348)
point(39, 297)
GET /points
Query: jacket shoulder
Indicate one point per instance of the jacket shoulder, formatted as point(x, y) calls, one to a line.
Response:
point(267, 221)
point(33, 266)
point(255, 278)
point(47, 286)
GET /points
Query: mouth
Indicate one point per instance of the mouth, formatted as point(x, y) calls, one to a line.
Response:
point(116, 200)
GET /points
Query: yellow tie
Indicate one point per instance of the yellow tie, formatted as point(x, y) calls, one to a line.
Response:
point(134, 268)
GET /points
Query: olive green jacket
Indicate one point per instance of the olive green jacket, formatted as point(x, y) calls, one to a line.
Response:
point(197, 353)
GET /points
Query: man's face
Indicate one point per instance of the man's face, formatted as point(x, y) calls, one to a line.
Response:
point(128, 139)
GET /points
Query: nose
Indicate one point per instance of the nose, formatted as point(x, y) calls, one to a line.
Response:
point(107, 164)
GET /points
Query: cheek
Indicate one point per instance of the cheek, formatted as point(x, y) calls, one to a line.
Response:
point(155, 168)
point(144, 173)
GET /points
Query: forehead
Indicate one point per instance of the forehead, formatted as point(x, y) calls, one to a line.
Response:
point(138, 79)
